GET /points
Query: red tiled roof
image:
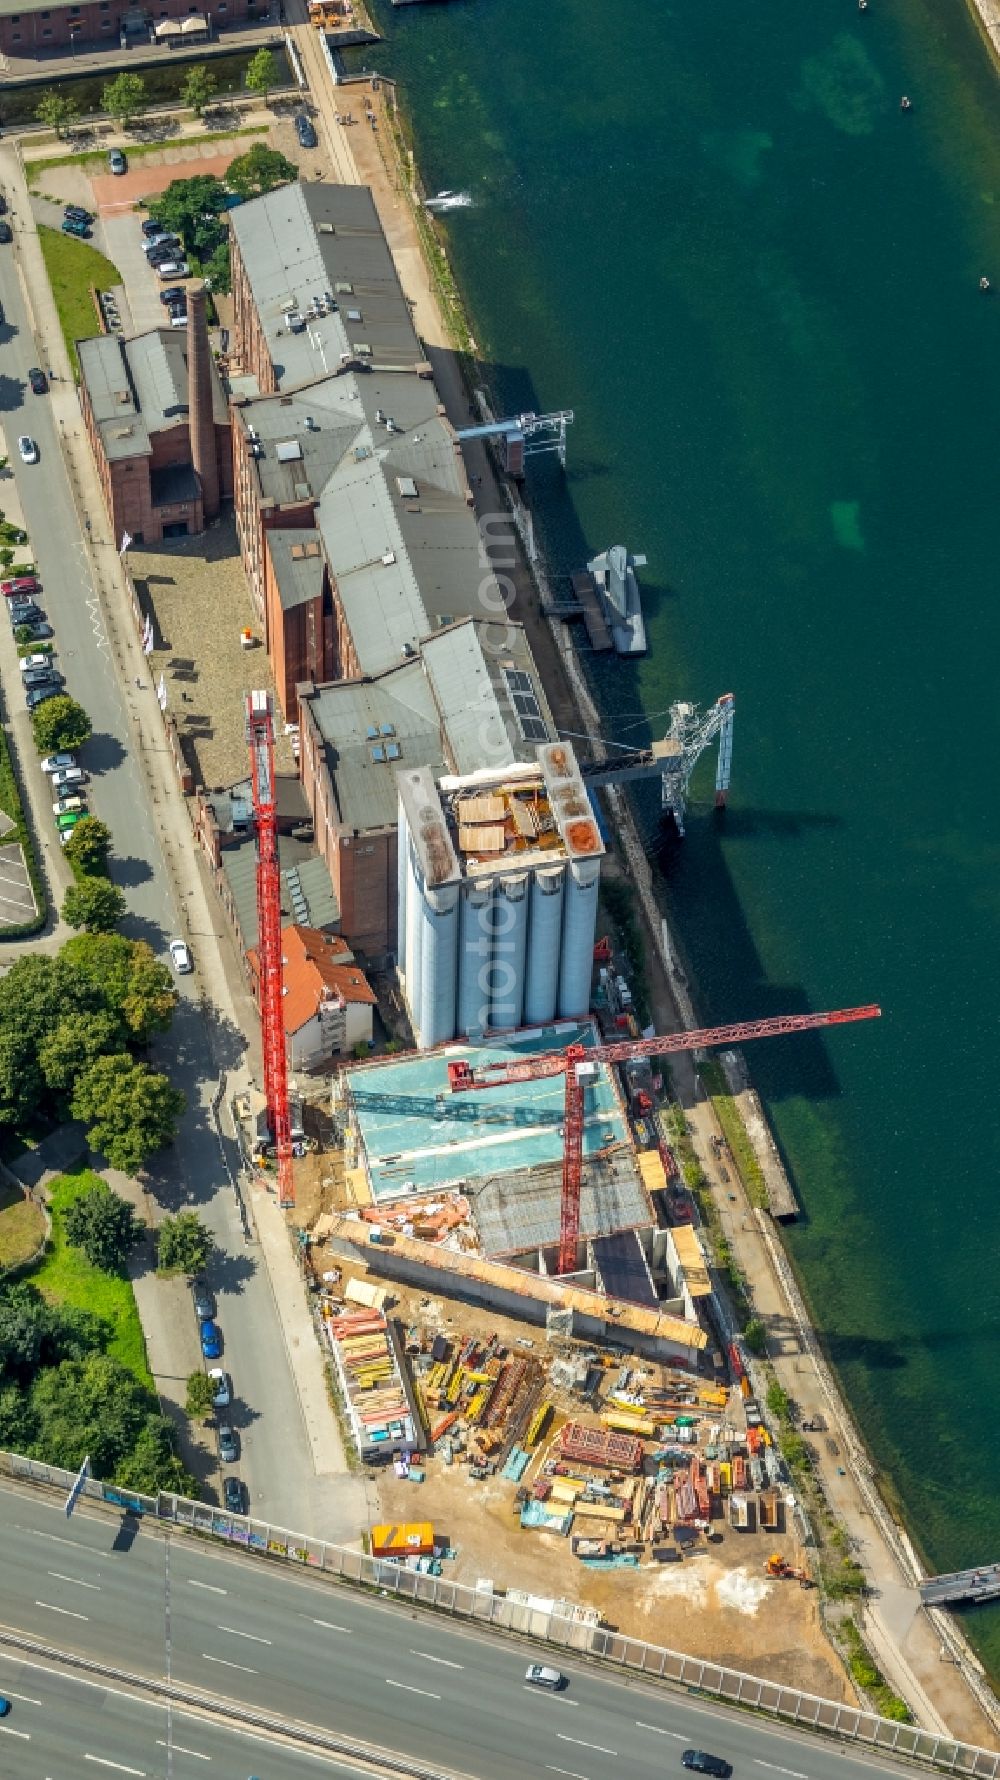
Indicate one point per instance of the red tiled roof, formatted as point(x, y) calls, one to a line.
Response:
point(315, 962)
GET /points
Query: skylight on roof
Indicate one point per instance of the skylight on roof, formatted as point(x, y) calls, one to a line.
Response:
point(288, 450)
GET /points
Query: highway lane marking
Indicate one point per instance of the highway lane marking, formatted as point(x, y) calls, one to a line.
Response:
point(328, 1626)
point(69, 1614)
point(774, 1770)
point(567, 1771)
point(179, 1747)
point(226, 1665)
point(26, 1697)
point(406, 1689)
point(209, 1585)
point(56, 1540)
point(579, 1740)
point(443, 1660)
point(59, 1577)
point(236, 1633)
point(556, 1699)
point(103, 1762)
point(659, 1731)
point(9, 1731)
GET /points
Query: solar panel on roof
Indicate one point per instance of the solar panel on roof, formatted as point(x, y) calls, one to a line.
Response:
point(378, 754)
point(393, 751)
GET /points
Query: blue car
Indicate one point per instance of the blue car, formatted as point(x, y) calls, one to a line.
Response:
point(4, 1706)
point(211, 1340)
point(72, 227)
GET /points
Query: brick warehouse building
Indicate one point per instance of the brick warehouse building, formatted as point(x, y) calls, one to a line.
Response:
point(158, 425)
point(38, 27)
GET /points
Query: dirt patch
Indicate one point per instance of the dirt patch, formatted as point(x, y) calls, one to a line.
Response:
point(22, 1227)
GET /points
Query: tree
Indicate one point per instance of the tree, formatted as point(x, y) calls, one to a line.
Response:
point(130, 1110)
point(200, 1390)
point(87, 852)
point(190, 208)
point(57, 110)
point(94, 1406)
point(20, 1080)
point(262, 73)
point(183, 1244)
point(260, 170)
point(198, 88)
point(124, 98)
point(60, 723)
point(153, 1464)
point(74, 1043)
point(124, 977)
point(218, 270)
point(30, 996)
point(96, 904)
point(102, 1224)
point(17, 1423)
point(755, 1336)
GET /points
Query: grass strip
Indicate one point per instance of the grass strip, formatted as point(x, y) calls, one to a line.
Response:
point(12, 805)
point(95, 160)
point(734, 1131)
point(67, 1277)
point(75, 269)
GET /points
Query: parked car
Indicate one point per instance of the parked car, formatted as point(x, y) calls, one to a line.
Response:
point(41, 660)
point(82, 229)
point(117, 161)
point(180, 957)
point(60, 763)
point(174, 269)
point(28, 449)
point(65, 776)
point(211, 1339)
point(151, 227)
point(22, 586)
point(221, 1394)
point(37, 632)
point(204, 1302)
point(174, 293)
point(6, 233)
point(39, 694)
point(228, 1449)
point(700, 1763)
point(38, 380)
point(539, 1675)
point(43, 676)
point(76, 213)
point(65, 806)
point(304, 130)
point(235, 1494)
point(155, 243)
point(4, 1705)
point(68, 820)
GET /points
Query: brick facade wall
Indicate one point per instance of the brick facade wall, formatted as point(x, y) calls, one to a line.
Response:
point(95, 23)
point(362, 867)
point(249, 345)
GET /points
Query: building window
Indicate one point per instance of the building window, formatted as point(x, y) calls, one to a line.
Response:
point(16, 36)
point(74, 12)
point(47, 31)
point(15, 18)
point(46, 15)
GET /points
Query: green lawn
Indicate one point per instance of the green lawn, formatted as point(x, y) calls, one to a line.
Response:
point(68, 1277)
point(22, 1227)
point(74, 269)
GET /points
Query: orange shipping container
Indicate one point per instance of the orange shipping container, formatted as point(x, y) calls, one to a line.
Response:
point(411, 1538)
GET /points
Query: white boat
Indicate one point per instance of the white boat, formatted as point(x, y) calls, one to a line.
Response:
point(618, 585)
point(447, 200)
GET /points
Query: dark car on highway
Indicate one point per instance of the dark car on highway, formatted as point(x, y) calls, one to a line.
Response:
point(228, 1449)
point(24, 612)
point(6, 233)
point(700, 1763)
point(38, 380)
point(204, 1301)
point(235, 1494)
point(36, 677)
point(211, 1339)
point(72, 227)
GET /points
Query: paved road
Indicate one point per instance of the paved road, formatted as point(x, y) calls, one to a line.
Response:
point(275, 1460)
point(61, 1728)
point(327, 1656)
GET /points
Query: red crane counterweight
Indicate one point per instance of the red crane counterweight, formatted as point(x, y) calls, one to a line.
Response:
point(260, 740)
point(579, 1065)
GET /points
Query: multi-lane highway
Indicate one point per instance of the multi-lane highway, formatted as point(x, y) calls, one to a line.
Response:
point(276, 1459)
point(322, 1655)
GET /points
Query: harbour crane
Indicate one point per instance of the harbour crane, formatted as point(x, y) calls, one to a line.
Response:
point(521, 436)
point(674, 759)
point(260, 741)
point(579, 1065)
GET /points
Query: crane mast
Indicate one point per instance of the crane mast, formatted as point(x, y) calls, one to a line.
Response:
point(579, 1065)
point(260, 740)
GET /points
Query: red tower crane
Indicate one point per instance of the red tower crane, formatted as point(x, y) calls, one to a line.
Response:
point(260, 740)
point(580, 1063)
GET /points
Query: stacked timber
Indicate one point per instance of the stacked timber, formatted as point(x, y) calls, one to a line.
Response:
point(600, 1446)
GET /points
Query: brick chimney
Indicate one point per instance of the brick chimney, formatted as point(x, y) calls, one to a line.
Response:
point(201, 417)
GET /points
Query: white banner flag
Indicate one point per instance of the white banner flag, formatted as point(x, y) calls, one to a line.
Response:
point(147, 637)
point(161, 693)
point(126, 541)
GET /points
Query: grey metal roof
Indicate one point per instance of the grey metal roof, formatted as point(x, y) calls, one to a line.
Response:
point(239, 863)
point(348, 712)
point(297, 560)
point(298, 244)
point(470, 686)
point(139, 387)
point(518, 1211)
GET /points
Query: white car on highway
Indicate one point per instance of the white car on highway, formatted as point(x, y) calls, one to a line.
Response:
point(58, 763)
point(28, 449)
point(180, 957)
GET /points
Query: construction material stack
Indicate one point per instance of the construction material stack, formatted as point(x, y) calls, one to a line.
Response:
point(371, 1383)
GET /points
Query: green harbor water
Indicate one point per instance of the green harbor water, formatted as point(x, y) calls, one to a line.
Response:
point(711, 231)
